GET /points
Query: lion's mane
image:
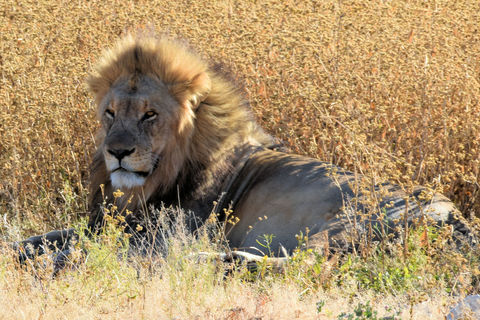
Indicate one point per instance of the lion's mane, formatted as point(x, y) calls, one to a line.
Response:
point(198, 155)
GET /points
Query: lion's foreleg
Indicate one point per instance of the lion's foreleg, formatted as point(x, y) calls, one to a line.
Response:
point(57, 241)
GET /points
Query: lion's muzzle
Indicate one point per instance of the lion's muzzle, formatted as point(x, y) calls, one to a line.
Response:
point(128, 157)
point(128, 167)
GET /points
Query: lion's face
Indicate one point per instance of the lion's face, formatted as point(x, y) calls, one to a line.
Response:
point(147, 126)
point(138, 122)
point(147, 91)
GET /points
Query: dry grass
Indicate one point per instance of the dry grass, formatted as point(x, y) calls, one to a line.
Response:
point(387, 88)
point(110, 284)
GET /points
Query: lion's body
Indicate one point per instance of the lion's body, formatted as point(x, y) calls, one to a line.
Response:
point(202, 145)
point(176, 132)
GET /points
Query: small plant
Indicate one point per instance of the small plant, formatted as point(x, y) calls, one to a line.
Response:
point(320, 304)
point(266, 242)
point(364, 312)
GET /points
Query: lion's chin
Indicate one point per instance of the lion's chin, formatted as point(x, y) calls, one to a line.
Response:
point(125, 180)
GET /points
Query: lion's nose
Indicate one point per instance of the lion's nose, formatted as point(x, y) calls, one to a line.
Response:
point(120, 153)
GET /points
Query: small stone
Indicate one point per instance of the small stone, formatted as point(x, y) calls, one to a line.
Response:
point(468, 308)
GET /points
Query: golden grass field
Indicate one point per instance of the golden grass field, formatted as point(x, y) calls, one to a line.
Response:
point(390, 89)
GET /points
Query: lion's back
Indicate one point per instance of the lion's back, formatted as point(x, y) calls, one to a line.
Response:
point(285, 195)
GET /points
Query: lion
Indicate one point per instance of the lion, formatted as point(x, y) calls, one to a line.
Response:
point(176, 131)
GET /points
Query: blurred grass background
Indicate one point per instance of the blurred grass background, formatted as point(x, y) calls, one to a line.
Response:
point(387, 88)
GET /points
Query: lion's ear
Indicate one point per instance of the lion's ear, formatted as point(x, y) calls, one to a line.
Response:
point(192, 93)
point(200, 88)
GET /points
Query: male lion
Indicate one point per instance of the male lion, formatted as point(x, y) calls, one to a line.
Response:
point(177, 132)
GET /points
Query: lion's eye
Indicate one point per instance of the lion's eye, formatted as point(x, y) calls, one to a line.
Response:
point(149, 115)
point(110, 114)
